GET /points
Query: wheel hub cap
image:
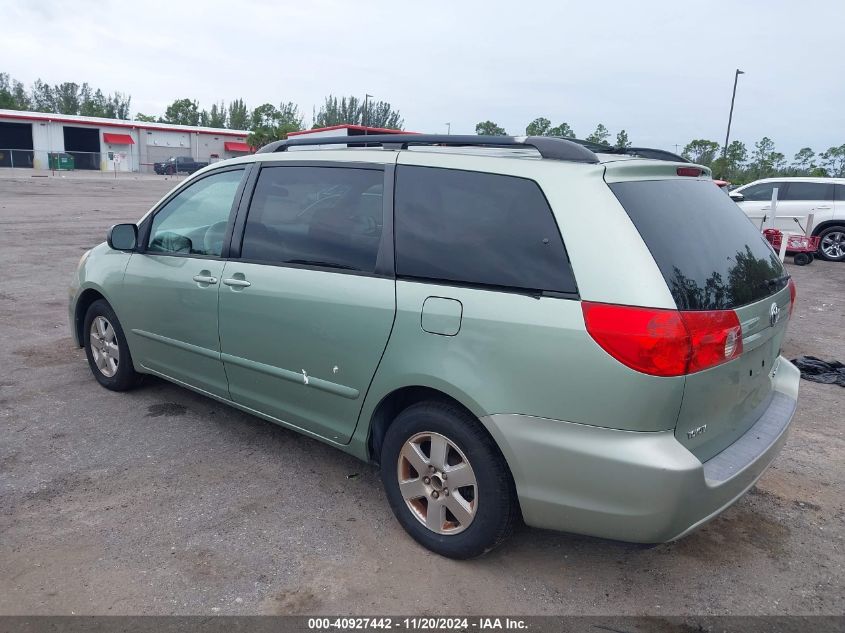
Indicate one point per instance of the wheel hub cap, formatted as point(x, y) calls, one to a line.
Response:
point(104, 349)
point(438, 483)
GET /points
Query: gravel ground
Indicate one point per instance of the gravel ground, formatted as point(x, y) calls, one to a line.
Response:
point(161, 501)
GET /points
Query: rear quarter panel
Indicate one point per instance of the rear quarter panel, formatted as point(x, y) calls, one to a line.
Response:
point(523, 355)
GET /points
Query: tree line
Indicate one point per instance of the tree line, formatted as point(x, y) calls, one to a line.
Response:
point(268, 122)
point(64, 98)
point(737, 163)
point(542, 126)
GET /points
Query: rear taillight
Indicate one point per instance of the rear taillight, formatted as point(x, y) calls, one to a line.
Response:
point(664, 342)
point(688, 171)
point(715, 338)
point(792, 294)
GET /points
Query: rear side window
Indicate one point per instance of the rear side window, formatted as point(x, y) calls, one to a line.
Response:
point(762, 192)
point(320, 216)
point(479, 229)
point(808, 191)
point(711, 255)
point(840, 193)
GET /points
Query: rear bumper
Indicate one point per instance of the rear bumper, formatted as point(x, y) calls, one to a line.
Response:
point(630, 486)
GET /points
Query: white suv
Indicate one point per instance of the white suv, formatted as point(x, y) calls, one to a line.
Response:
point(797, 198)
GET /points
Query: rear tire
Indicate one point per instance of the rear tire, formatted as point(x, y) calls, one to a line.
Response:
point(106, 348)
point(802, 259)
point(832, 243)
point(480, 509)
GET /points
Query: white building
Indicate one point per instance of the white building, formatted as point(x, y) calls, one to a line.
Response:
point(345, 129)
point(41, 140)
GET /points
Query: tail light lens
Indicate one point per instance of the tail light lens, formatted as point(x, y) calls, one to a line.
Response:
point(715, 338)
point(688, 171)
point(792, 294)
point(664, 342)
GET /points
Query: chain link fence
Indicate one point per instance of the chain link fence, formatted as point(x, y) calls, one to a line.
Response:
point(155, 161)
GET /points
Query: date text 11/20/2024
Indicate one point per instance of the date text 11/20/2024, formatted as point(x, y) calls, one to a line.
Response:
point(416, 624)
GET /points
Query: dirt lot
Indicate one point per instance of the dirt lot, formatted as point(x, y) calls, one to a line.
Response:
point(160, 501)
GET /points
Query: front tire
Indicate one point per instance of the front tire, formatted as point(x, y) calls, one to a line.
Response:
point(832, 243)
point(446, 481)
point(106, 348)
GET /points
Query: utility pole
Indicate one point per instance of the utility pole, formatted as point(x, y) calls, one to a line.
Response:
point(366, 117)
point(448, 128)
point(731, 115)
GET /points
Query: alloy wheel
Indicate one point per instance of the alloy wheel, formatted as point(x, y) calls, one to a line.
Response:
point(833, 244)
point(104, 347)
point(438, 483)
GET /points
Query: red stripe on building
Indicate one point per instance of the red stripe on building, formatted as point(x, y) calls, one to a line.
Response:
point(119, 123)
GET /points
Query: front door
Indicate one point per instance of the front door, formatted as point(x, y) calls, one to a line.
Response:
point(306, 311)
point(757, 202)
point(169, 294)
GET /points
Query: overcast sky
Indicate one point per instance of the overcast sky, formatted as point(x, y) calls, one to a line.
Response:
point(661, 70)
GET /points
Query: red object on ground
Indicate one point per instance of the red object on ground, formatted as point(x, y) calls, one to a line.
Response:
point(794, 243)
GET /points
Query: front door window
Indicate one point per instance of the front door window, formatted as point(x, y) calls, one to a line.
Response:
point(194, 222)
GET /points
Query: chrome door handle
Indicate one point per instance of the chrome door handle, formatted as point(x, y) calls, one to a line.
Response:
point(822, 207)
point(205, 279)
point(238, 283)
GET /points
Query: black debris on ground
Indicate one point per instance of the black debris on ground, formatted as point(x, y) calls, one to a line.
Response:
point(827, 372)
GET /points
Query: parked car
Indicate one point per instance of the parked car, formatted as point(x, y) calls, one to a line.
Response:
point(450, 315)
point(159, 167)
point(179, 165)
point(797, 198)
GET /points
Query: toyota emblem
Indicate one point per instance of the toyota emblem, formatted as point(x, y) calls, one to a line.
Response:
point(774, 312)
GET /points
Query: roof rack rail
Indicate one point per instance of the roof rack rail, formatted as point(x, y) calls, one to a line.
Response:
point(548, 147)
point(642, 152)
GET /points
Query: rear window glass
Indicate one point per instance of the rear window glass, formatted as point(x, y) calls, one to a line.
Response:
point(478, 228)
point(711, 255)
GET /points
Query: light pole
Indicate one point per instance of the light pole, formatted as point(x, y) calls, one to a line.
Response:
point(366, 117)
point(730, 116)
point(448, 128)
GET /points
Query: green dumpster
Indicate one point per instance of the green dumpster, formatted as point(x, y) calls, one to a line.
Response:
point(61, 161)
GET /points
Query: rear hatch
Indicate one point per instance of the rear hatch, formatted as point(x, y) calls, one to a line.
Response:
point(713, 258)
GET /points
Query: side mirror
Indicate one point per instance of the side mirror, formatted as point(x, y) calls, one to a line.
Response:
point(122, 237)
point(736, 196)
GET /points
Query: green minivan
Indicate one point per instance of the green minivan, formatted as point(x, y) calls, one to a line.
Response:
point(511, 328)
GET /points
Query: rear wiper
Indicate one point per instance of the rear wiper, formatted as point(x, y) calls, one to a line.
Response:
point(314, 262)
point(771, 283)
